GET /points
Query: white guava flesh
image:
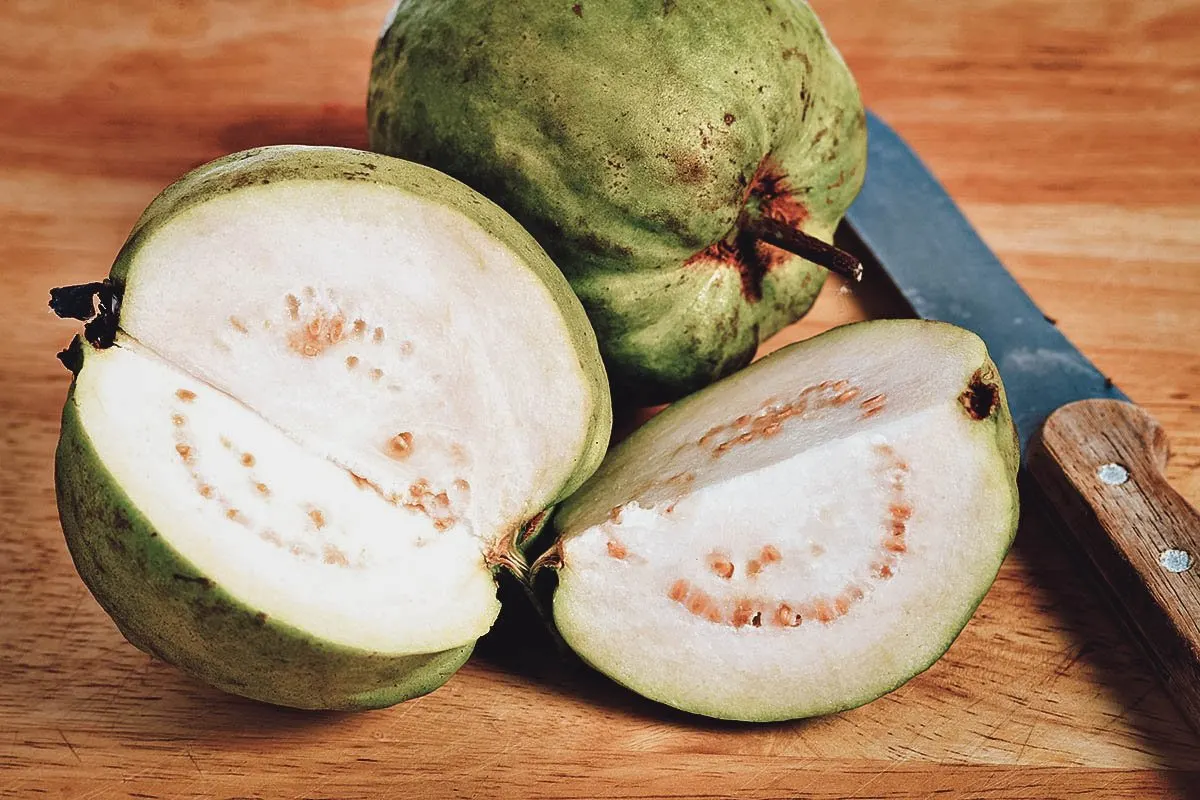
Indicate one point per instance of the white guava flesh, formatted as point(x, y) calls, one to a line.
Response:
point(801, 537)
point(337, 401)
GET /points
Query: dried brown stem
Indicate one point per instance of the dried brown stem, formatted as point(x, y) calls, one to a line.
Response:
point(779, 234)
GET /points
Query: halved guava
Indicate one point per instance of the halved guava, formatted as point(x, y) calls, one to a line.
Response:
point(325, 393)
point(801, 537)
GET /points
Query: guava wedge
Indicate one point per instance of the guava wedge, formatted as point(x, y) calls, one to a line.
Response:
point(322, 395)
point(801, 537)
point(685, 163)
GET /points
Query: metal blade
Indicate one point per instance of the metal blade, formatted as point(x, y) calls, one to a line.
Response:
point(910, 226)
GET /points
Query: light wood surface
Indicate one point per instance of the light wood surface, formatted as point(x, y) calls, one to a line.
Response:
point(1070, 132)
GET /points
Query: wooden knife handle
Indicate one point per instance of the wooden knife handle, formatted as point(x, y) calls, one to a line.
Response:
point(1100, 463)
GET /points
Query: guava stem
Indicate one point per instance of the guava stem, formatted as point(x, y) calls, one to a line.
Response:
point(95, 303)
point(779, 234)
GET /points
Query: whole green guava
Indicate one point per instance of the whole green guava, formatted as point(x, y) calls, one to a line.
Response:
point(660, 151)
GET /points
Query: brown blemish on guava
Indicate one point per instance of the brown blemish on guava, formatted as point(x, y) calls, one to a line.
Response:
point(293, 306)
point(399, 446)
point(186, 395)
point(262, 489)
point(776, 197)
point(982, 395)
point(377, 336)
point(317, 517)
point(351, 362)
point(185, 452)
point(375, 374)
point(405, 347)
point(234, 514)
point(334, 556)
point(773, 196)
point(461, 485)
point(617, 550)
point(238, 325)
point(205, 491)
point(577, 9)
point(247, 459)
point(178, 419)
point(689, 167)
point(201, 581)
point(729, 118)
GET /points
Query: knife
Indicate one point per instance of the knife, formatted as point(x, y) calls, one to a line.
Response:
point(1095, 456)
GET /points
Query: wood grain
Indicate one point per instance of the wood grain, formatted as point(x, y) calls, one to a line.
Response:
point(1067, 130)
point(1100, 462)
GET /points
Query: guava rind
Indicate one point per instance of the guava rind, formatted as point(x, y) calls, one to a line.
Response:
point(624, 135)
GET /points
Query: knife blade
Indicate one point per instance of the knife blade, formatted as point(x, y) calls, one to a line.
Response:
point(944, 270)
point(1094, 455)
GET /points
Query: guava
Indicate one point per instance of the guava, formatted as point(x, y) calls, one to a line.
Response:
point(684, 163)
point(320, 399)
point(799, 538)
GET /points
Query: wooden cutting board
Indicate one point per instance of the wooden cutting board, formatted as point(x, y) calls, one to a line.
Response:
point(1069, 131)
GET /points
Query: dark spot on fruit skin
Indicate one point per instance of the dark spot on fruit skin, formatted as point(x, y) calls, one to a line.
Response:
point(668, 7)
point(261, 618)
point(577, 9)
point(982, 395)
point(1049, 319)
point(773, 195)
point(689, 168)
point(729, 120)
point(202, 582)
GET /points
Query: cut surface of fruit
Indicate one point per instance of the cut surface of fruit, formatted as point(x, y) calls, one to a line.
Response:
point(380, 330)
point(339, 386)
point(801, 537)
point(284, 530)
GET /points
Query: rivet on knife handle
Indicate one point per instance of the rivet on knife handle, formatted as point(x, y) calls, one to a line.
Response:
point(1101, 463)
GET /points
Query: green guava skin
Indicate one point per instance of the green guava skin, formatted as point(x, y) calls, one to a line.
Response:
point(628, 136)
point(160, 601)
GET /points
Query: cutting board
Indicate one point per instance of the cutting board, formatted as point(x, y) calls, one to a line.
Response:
point(1070, 133)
